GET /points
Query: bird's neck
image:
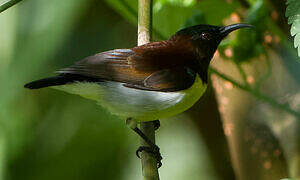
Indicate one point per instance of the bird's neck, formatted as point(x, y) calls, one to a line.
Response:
point(200, 54)
point(200, 66)
point(203, 70)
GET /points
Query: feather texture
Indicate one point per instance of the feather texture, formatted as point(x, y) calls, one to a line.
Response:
point(136, 103)
point(157, 66)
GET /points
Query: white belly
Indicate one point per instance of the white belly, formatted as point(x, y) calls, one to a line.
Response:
point(138, 104)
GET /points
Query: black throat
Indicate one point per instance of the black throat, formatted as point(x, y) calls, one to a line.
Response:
point(201, 68)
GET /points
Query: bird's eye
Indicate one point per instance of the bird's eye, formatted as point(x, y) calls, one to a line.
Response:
point(205, 36)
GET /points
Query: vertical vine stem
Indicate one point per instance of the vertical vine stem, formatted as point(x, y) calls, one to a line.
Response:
point(149, 163)
point(8, 4)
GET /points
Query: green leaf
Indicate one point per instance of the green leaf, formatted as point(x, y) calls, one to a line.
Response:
point(293, 14)
point(257, 13)
point(197, 18)
point(248, 42)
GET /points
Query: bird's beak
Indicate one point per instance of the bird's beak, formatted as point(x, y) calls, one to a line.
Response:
point(225, 30)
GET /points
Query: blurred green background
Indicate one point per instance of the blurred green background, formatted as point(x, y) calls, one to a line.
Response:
point(48, 134)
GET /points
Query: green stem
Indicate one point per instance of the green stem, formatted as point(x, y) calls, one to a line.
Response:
point(257, 94)
point(149, 163)
point(144, 21)
point(8, 4)
point(134, 13)
point(242, 73)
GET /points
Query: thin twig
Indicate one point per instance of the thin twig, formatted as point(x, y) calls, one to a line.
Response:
point(266, 75)
point(149, 163)
point(242, 72)
point(8, 4)
point(257, 94)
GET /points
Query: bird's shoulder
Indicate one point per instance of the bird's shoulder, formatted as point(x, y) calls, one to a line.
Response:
point(177, 51)
point(176, 45)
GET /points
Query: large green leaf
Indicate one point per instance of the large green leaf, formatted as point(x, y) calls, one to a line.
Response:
point(293, 14)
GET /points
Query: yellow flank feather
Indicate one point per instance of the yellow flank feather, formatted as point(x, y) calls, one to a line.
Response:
point(138, 104)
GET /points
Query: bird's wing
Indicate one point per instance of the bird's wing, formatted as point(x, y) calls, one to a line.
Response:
point(167, 80)
point(156, 66)
point(110, 65)
point(162, 55)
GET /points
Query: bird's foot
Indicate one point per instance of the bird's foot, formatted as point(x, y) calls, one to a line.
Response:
point(156, 124)
point(153, 150)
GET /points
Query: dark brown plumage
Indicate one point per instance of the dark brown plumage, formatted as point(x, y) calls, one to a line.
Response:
point(169, 65)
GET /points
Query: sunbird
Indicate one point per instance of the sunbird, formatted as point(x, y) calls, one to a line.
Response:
point(148, 82)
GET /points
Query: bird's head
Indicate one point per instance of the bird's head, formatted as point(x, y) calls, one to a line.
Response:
point(207, 37)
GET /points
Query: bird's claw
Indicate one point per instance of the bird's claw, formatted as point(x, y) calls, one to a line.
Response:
point(153, 150)
point(156, 124)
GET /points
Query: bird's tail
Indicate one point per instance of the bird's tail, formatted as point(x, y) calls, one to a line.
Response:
point(61, 79)
point(46, 82)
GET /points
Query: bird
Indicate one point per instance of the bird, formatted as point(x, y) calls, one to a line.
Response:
point(148, 82)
